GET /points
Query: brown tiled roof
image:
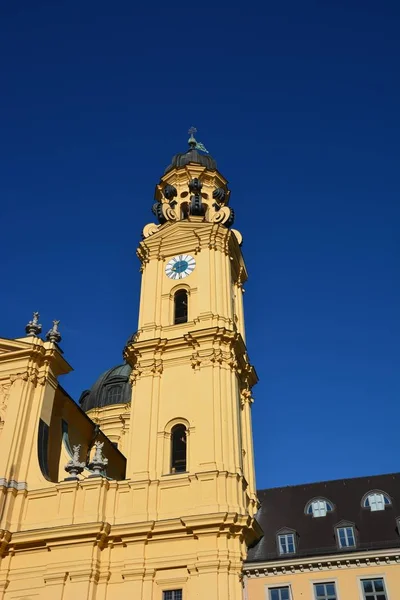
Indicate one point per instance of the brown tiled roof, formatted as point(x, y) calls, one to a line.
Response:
point(284, 508)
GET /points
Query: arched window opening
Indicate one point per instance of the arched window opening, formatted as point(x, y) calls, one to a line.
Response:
point(180, 307)
point(319, 507)
point(376, 501)
point(178, 449)
point(114, 394)
point(184, 210)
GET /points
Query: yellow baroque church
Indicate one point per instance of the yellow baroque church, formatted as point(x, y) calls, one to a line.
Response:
point(146, 488)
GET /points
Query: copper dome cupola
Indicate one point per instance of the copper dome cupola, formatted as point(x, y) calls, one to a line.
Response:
point(192, 188)
point(112, 387)
point(196, 154)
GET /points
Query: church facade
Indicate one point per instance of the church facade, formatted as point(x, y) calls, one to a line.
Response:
point(146, 488)
point(159, 498)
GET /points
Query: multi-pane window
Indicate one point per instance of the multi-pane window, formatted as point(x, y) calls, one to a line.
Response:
point(325, 591)
point(281, 593)
point(346, 537)
point(376, 501)
point(114, 394)
point(172, 595)
point(373, 589)
point(319, 508)
point(286, 543)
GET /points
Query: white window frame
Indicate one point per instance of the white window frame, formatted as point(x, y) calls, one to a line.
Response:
point(286, 536)
point(323, 582)
point(346, 527)
point(278, 586)
point(372, 577)
point(376, 501)
point(319, 507)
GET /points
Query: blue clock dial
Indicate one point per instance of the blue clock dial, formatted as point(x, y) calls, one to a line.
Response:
point(180, 266)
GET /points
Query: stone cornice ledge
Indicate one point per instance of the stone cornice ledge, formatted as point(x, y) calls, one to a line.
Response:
point(5, 537)
point(56, 536)
point(326, 563)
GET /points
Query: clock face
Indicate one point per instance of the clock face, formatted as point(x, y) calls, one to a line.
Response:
point(180, 266)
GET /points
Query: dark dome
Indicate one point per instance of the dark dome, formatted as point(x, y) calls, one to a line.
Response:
point(112, 387)
point(192, 156)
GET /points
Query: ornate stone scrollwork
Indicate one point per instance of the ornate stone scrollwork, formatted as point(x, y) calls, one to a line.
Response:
point(149, 229)
point(144, 370)
point(4, 393)
point(223, 215)
point(164, 211)
point(169, 213)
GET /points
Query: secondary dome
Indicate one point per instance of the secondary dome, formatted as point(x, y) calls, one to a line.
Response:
point(112, 387)
point(193, 155)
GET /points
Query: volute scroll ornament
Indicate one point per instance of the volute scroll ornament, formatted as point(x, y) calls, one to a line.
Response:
point(149, 229)
point(223, 215)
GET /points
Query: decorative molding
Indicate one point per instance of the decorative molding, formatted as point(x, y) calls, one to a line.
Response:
point(357, 560)
point(146, 368)
point(12, 484)
point(4, 395)
point(5, 537)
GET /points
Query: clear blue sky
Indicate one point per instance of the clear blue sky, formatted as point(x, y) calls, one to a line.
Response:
point(299, 104)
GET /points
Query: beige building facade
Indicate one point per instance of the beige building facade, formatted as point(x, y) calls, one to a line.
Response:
point(159, 498)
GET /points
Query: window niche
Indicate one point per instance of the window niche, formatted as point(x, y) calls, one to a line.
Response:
point(180, 307)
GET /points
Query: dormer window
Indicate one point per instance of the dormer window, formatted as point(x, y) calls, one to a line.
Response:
point(319, 507)
point(286, 541)
point(376, 501)
point(346, 536)
point(114, 394)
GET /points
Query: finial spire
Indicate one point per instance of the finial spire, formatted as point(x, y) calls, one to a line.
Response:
point(193, 143)
point(53, 335)
point(34, 327)
point(192, 140)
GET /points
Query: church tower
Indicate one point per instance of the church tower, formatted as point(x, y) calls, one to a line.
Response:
point(190, 457)
point(147, 490)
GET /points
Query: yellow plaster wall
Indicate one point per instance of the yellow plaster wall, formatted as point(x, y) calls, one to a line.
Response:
point(347, 580)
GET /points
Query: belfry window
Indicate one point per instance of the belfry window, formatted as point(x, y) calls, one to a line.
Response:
point(180, 307)
point(178, 449)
